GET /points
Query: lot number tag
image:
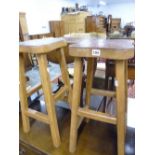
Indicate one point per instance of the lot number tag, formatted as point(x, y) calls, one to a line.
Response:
point(96, 52)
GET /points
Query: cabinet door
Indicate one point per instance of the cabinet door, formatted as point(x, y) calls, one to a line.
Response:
point(91, 24)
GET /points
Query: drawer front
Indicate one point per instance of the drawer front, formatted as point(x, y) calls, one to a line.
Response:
point(80, 27)
point(72, 27)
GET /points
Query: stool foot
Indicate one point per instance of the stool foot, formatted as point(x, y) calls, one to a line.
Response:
point(73, 132)
point(26, 124)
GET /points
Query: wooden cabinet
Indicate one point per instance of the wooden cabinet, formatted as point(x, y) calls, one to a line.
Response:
point(74, 22)
point(115, 24)
point(91, 24)
point(96, 24)
point(56, 28)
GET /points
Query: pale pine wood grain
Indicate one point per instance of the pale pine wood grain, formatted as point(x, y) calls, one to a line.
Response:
point(90, 76)
point(119, 50)
point(23, 94)
point(49, 99)
point(75, 103)
point(121, 104)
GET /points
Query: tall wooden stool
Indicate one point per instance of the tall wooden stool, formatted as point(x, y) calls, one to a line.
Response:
point(42, 47)
point(118, 50)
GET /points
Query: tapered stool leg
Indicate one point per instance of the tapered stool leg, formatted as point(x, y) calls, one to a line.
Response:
point(23, 94)
point(65, 74)
point(126, 84)
point(121, 105)
point(89, 82)
point(49, 99)
point(75, 103)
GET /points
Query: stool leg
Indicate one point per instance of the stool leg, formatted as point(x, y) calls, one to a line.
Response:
point(75, 103)
point(106, 86)
point(126, 95)
point(65, 75)
point(23, 94)
point(121, 105)
point(89, 81)
point(49, 99)
point(126, 84)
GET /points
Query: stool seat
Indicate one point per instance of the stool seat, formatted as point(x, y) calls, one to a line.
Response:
point(119, 50)
point(44, 45)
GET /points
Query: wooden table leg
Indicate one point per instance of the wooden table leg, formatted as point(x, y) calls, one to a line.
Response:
point(121, 105)
point(23, 94)
point(49, 99)
point(75, 103)
point(89, 82)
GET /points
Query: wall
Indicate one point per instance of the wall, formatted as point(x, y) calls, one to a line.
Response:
point(39, 12)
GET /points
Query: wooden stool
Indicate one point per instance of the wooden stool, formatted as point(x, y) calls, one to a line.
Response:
point(42, 47)
point(118, 50)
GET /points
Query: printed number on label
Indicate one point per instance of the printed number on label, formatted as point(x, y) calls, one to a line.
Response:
point(96, 52)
